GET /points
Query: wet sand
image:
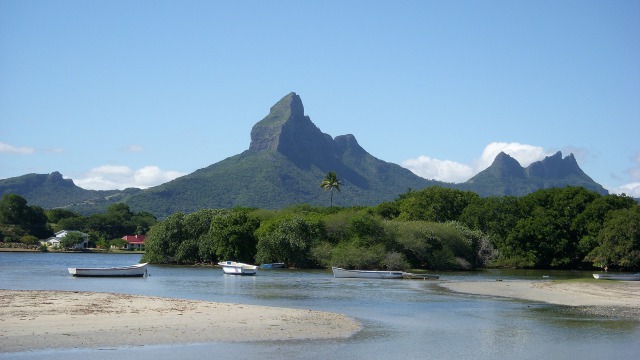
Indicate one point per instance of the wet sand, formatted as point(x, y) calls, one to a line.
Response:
point(33, 320)
point(604, 297)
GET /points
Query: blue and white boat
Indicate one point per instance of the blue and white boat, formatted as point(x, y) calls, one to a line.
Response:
point(237, 268)
point(278, 265)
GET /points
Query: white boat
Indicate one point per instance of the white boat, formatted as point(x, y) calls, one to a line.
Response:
point(628, 277)
point(124, 271)
point(366, 274)
point(236, 268)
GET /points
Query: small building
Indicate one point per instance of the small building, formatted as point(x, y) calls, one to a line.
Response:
point(55, 240)
point(52, 242)
point(134, 242)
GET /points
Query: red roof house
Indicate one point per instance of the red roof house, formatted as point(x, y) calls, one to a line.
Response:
point(135, 242)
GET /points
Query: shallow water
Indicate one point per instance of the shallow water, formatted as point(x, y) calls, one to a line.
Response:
point(411, 319)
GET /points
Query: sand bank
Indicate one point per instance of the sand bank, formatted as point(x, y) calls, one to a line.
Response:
point(611, 298)
point(31, 320)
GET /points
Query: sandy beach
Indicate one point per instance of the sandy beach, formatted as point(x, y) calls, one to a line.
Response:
point(32, 320)
point(607, 298)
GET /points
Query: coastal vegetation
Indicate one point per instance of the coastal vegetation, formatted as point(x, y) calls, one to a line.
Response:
point(434, 228)
point(28, 225)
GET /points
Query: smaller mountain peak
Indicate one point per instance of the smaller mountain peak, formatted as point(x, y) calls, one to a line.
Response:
point(505, 166)
point(555, 166)
point(502, 156)
point(347, 144)
point(557, 156)
point(55, 175)
point(56, 178)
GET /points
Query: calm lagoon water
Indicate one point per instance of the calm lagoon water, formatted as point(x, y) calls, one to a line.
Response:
point(409, 319)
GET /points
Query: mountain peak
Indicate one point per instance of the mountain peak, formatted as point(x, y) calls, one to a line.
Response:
point(505, 166)
point(290, 132)
point(266, 134)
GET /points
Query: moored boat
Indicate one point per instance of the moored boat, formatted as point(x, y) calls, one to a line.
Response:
point(420, 276)
point(137, 270)
point(628, 277)
point(366, 274)
point(278, 265)
point(237, 268)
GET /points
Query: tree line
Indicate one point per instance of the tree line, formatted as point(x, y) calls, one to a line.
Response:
point(28, 224)
point(435, 228)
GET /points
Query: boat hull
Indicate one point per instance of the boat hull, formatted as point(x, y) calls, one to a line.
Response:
point(627, 277)
point(421, 276)
point(138, 270)
point(272, 266)
point(236, 268)
point(366, 274)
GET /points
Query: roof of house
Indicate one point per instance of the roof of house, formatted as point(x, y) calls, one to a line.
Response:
point(134, 239)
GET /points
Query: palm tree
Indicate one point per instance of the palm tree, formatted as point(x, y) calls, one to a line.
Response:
point(331, 182)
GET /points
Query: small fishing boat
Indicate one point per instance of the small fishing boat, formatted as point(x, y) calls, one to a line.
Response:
point(420, 276)
point(237, 268)
point(278, 265)
point(137, 270)
point(628, 277)
point(366, 274)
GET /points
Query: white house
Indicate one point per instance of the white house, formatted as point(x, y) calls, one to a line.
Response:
point(55, 240)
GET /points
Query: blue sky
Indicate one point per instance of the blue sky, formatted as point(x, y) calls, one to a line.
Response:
point(116, 94)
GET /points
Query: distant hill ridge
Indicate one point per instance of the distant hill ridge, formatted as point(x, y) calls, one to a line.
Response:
point(286, 160)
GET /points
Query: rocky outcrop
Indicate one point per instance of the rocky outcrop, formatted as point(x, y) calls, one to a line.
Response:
point(506, 176)
point(555, 167)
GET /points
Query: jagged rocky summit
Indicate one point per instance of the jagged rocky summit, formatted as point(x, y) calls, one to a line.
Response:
point(506, 176)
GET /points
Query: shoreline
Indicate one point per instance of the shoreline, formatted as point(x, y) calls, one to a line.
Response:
point(43, 319)
point(598, 297)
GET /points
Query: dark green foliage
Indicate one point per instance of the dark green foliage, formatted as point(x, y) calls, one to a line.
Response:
point(232, 236)
point(349, 255)
point(163, 240)
point(450, 245)
point(54, 216)
point(588, 224)
point(551, 228)
point(434, 204)
point(619, 240)
point(289, 240)
point(18, 219)
point(116, 222)
point(71, 239)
